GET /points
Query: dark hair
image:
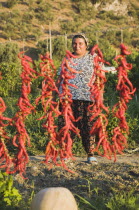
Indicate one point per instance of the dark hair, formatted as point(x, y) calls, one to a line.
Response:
point(80, 36)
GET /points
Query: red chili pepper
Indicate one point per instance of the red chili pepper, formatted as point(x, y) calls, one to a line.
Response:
point(25, 108)
point(0, 75)
point(5, 159)
point(96, 88)
point(125, 89)
point(63, 139)
point(50, 107)
point(124, 50)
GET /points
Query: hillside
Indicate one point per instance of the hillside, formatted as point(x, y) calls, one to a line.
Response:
point(29, 21)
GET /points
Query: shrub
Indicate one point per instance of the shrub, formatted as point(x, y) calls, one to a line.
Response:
point(43, 46)
point(39, 136)
point(110, 16)
point(134, 33)
point(110, 35)
point(27, 17)
point(10, 82)
point(44, 17)
point(134, 72)
point(9, 31)
point(132, 13)
point(85, 9)
point(9, 68)
point(11, 3)
point(9, 195)
point(43, 7)
point(117, 39)
point(123, 200)
point(37, 33)
point(25, 30)
point(9, 52)
point(70, 26)
point(61, 5)
point(133, 123)
point(59, 47)
point(4, 16)
point(135, 43)
point(15, 13)
point(110, 94)
point(126, 37)
point(107, 49)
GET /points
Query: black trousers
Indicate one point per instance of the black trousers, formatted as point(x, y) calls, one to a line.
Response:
point(79, 109)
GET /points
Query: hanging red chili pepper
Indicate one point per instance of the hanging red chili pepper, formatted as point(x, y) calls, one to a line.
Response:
point(64, 135)
point(5, 159)
point(126, 90)
point(97, 108)
point(21, 138)
point(60, 144)
point(0, 75)
point(50, 107)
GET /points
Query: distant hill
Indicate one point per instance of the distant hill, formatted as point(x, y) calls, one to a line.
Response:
point(29, 21)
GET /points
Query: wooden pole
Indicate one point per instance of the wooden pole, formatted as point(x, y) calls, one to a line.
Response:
point(50, 37)
point(97, 37)
point(122, 36)
point(47, 43)
point(66, 41)
point(23, 44)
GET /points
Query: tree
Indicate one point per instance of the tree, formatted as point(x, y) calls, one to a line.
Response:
point(10, 69)
point(9, 52)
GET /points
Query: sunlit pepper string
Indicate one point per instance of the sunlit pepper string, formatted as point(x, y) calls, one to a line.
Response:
point(66, 102)
point(50, 108)
point(126, 90)
point(0, 75)
point(6, 161)
point(21, 138)
point(98, 110)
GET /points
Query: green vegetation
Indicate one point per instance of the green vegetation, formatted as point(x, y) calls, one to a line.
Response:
point(102, 27)
point(21, 25)
point(10, 69)
point(11, 3)
point(90, 196)
point(9, 195)
point(10, 88)
point(75, 16)
point(97, 200)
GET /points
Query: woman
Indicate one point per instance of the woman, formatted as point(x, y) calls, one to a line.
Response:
point(81, 95)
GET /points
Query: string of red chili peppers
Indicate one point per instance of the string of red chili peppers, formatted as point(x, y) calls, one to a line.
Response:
point(125, 89)
point(59, 146)
point(97, 108)
point(5, 158)
point(21, 137)
point(60, 143)
point(64, 134)
point(50, 108)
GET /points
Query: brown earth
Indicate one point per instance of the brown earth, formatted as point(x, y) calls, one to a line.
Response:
point(122, 176)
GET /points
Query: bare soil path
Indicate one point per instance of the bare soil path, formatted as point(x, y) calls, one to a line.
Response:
point(122, 175)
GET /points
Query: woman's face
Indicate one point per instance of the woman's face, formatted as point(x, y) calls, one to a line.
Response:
point(79, 46)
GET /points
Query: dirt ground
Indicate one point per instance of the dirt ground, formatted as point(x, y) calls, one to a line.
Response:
point(122, 175)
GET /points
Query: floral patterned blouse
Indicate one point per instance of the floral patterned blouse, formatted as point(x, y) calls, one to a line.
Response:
point(84, 64)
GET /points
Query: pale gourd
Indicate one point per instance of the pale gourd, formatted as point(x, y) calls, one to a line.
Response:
point(54, 198)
